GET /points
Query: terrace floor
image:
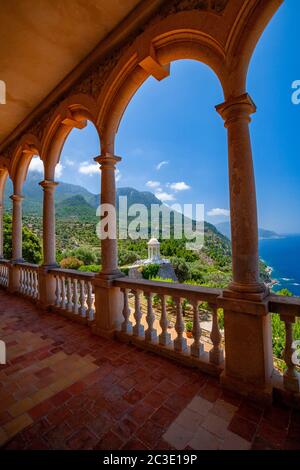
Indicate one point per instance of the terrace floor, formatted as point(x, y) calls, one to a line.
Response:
point(63, 388)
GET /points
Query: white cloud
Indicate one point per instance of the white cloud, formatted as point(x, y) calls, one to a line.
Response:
point(37, 165)
point(163, 196)
point(118, 175)
point(58, 170)
point(89, 169)
point(70, 162)
point(161, 164)
point(179, 186)
point(153, 184)
point(217, 212)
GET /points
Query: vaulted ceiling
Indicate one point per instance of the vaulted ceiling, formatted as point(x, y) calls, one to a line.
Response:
point(41, 41)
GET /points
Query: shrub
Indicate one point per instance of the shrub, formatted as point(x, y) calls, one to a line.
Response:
point(127, 257)
point(181, 268)
point(150, 271)
point(189, 326)
point(125, 270)
point(70, 263)
point(91, 268)
point(83, 253)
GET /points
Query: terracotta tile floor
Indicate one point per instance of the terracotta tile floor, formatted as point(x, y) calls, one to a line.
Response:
point(63, 388)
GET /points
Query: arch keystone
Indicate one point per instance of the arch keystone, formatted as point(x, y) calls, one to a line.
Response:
point(149, 62)
point(69, 120)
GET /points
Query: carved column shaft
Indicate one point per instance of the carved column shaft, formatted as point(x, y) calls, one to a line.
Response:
point(17, 227)
point(109, 245)
point(1, 230)
point(49, 247)
point(244, 230)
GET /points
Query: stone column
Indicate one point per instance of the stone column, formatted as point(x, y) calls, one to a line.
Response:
point(14, 273)
point(109, 246)
point(244, 231)
point(248, 337)
point(1, 231)
point(17, 227)
point(49, 247)
point(46, 281)
point(108, 299)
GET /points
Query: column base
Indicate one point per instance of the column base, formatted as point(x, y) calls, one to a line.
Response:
point(13, 277)
point(255, 292)
point(263, 395)
point(111, 276)
point(248, 347)
point(108, 306)
point(46, 286)
point(17, 260)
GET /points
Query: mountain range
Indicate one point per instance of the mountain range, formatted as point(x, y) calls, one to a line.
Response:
point(73, 202)
point(224, 228)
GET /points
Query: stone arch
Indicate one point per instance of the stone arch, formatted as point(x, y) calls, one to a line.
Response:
point(173, 38)
point(28, 146)
point(249, 25)
point(72, 113)
point(200, 35)
point(3, 178)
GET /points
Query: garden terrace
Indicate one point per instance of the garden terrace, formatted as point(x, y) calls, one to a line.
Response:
point(123, 378)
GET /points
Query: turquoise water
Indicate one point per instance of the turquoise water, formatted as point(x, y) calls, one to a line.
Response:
point(283, 255)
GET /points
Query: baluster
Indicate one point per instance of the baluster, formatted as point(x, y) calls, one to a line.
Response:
point(63, 293)
point(164, 337)
point(150, 333)
point(21, 281)
point(30, 283)
point(69, 294)
point(138, 329)
point(180, 343)
point(34, 284)
point(126, 326)
point(197, 347)
point(37, 284)
point(75, 297)
point(82, 309)
point(25, 281)
point(89, 301)
point(290, 377)
point(57, 291)
point(216, 354)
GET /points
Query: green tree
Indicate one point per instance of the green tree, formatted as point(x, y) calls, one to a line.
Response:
point(32, 248)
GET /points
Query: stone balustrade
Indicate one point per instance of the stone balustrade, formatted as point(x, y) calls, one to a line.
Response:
point(153, 316)
point(142, 327)
point(289, 310)
point(28, 280)
point(74, 293)
point(4, 272)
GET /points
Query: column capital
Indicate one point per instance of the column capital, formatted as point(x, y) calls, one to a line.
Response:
point(48, 184)
point(236, 108)
point(107, 160)
point(16, 197)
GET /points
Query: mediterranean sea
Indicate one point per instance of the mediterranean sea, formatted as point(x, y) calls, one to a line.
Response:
point(283, 256)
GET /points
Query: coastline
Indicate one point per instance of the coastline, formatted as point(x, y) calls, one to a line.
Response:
point(273, 282)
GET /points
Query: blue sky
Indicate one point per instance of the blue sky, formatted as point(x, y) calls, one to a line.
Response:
point(173, 142)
